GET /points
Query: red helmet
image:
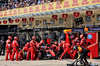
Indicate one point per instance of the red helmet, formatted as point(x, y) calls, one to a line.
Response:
point(64, 41)
point(42, 41)
point(36, 42)
point(56, 42)
point(60, 44)
point(15, 38)
point(8, 41)
point(78, 44)
point(33, 37)
point(81, 36)
point(72, 36)
point(53, 45)
point(28, 44)
point(9, 37)
point(76, 39)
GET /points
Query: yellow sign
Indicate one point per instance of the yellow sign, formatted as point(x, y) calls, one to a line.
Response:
point(67, 30)
point(49, 7)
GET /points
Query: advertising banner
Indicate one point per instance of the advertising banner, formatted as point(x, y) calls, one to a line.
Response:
point(49, 7)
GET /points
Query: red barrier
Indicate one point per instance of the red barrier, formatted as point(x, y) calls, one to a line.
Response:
point(92, 38)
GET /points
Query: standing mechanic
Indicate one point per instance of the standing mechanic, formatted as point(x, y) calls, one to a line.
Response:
point(8, 50)
point(8, 47)
point(82, 42)
point(32, 49)
point(15, 47)
point(2, 46)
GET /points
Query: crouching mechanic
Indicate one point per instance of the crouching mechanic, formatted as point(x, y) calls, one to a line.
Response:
point(83, 53)
point(40, 50)
point(23, 53)
point(54, 47)
point(60, 50)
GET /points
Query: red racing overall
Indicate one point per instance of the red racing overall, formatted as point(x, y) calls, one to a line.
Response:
point(66, 48)
point(15, 49)
point(26, 48)
point(32, 50)
point(8, 51)
point(82, 42)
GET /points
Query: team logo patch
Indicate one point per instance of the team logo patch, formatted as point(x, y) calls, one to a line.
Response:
point(67, 36)
point(89, 36)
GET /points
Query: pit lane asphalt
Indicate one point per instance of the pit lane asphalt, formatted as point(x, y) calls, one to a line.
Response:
point(41, 62)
